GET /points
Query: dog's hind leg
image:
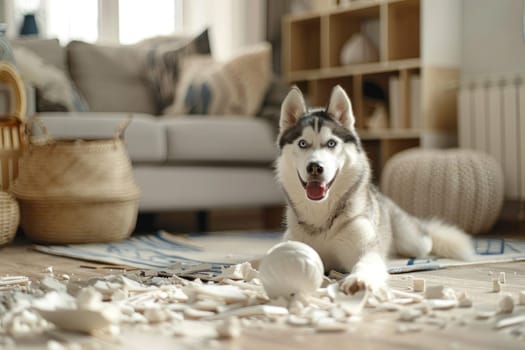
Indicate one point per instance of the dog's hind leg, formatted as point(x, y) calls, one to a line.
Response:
point(411, 238)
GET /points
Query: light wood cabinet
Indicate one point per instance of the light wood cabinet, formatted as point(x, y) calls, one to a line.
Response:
point(416, 69)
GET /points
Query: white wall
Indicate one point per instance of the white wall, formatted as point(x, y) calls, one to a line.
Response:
point(6, 16)
point(492, 37)
point(233, 23)
point(441, 32)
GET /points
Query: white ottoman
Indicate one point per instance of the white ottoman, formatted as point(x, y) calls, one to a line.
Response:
point(463, 187)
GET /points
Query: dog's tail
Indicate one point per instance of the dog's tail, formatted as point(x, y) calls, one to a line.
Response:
point(449, 241)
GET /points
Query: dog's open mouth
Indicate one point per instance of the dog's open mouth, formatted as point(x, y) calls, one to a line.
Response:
point(316, 189)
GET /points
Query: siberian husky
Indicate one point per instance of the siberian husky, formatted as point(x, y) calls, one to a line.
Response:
point(334, 208)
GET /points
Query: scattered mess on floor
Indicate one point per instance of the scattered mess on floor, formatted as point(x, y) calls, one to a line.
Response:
point(223, 306)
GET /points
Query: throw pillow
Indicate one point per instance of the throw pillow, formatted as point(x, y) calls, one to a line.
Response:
point(54, 90)
point(235, 87)
point(162, 63)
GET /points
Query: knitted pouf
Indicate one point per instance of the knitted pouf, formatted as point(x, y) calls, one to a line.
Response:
point(463, 187)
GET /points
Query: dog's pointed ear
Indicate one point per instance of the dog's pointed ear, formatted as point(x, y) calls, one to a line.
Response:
point(341, 108)
point(292, 109)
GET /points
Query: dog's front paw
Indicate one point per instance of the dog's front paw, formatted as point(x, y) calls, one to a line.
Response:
point(352, 284)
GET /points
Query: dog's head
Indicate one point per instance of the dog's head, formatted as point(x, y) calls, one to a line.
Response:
point(316, 146)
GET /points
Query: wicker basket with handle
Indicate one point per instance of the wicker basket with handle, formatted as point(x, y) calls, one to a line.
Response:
point(11, 127)
point(11, 147)
point(76, 191)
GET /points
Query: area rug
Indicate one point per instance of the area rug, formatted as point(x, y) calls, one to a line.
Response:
point(162, 250)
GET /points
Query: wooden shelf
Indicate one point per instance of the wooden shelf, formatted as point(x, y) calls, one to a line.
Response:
point(354, 69)
point(352, 6)
point(403, 29)
point(389, 134)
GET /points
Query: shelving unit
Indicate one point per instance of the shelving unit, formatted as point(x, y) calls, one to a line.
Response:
point(423, 94)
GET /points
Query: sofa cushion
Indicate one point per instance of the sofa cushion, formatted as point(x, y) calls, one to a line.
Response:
point(166, 188)
point(227, 139)
point(145, 137)
point(111, 78)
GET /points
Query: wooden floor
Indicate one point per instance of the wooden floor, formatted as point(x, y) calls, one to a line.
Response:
point(376, 330)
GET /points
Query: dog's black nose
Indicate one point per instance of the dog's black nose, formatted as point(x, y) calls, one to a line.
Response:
point(314, 168)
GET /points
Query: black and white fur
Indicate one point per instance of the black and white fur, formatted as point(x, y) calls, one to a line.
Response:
point(332, 205)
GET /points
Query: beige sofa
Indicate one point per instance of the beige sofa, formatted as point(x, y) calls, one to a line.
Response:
point(183, 163)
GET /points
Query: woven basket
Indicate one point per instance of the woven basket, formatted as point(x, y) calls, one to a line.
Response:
point(76, 191)
point(11, 127)
point(9, 218)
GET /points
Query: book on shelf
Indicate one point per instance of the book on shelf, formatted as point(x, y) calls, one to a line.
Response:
point(415, 102)
point(394, 103)
point(414, 106)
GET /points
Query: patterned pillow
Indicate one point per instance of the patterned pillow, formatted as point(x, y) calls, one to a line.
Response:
point(162, 63)
point(235, 87)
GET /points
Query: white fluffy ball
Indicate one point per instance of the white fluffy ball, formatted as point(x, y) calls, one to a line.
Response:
point(290, 268)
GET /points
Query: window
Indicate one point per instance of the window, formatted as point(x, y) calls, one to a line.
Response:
point(71, 20)
point(145, 19)
point(110, 21)
point(233, 23)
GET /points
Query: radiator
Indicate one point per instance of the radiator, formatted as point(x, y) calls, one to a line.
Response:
point(491, 114)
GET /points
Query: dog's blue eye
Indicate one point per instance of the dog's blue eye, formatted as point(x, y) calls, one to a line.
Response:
point(302, 144)
point(331, 143)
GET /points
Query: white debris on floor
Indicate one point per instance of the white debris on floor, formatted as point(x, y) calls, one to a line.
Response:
point(502, 278)
point(522, 297)
point(8, 282)
point(464, 300)
point(496, 285)
point(434, 292)
point(418, 284)
point(506, 304)
point(221, 307)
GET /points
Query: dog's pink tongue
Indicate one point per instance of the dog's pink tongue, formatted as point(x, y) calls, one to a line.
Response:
point(315, 190)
